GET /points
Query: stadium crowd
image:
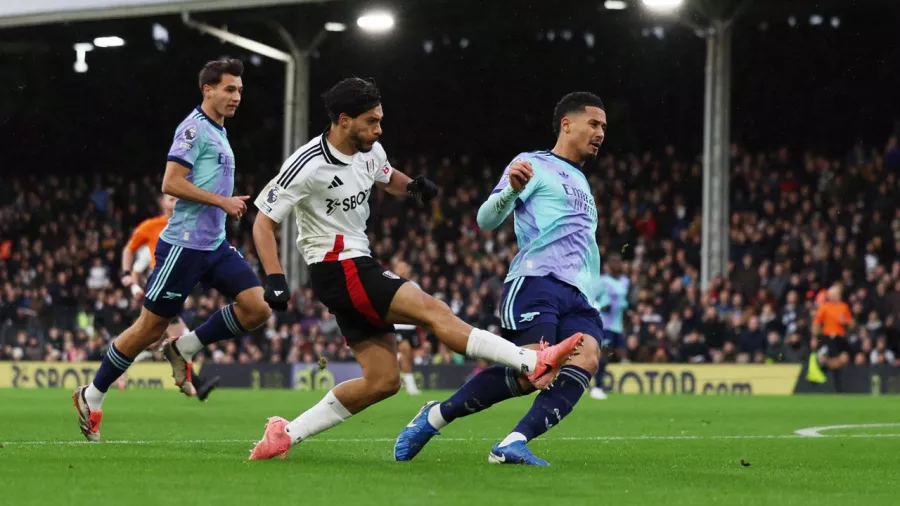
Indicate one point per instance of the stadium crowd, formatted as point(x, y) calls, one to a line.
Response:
point(799, 225)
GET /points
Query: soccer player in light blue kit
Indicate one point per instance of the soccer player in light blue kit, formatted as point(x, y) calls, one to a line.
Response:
point(191, 249)
point(614, 286)
point(550, 289)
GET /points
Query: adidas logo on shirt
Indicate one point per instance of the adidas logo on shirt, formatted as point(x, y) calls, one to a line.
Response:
point(335, 183)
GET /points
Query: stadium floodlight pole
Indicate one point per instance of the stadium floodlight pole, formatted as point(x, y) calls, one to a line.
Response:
point(716, 127)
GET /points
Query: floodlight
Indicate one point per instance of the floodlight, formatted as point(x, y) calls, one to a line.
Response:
point(376, 22)
point(109, 41)
point(662, 6)
point(81, 50)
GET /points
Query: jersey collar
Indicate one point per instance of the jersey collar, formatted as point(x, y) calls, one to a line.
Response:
point(570, 162)
point(211, 122)
point(332, 155)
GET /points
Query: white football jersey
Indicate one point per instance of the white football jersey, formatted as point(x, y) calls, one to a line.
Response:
point(330, 193)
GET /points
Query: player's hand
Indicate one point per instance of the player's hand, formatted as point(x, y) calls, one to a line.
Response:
point(422, 188)
point(520, 172)
point(137, 292)
point(235, 206)
point(277, 293)
point(127, 279)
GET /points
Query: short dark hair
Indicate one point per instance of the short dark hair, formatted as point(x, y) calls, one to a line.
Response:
point(212, 72)
point(574, 102)
point(352, 96)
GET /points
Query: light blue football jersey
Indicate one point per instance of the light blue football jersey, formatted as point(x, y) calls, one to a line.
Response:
point(614, 295)
point(201, 145)
point(556, 224)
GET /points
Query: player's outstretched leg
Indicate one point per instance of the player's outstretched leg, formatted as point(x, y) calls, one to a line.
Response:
point(247, 313)
point(490, 386)
point(381, 379)
point(89, 399)
point(549, 408)
point(412, 305)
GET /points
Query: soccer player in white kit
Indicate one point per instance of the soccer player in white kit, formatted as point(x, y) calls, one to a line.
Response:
point(328, 182)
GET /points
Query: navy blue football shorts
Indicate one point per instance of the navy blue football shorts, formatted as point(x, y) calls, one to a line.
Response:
point(535, 308)
point(179, 269)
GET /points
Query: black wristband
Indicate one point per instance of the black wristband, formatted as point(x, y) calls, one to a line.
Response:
point(275, 279)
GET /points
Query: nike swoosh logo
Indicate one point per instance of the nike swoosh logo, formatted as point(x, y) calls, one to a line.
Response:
point(500, 458)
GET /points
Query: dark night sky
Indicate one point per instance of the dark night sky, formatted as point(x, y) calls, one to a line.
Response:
point(806, 86)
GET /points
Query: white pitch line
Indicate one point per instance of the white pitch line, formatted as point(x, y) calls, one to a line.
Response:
point(815, 431)
point(444, 439)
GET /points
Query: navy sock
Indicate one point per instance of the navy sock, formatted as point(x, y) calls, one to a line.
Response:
point(490, 386)
point(114, 364)
point(553, 404)
point(223, 324)
point(600, 372)
point(195, 377)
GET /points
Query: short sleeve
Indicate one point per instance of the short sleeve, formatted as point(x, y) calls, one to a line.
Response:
point(532, 185)
point(383, 166)
point(139, 237)
point(188, 143)
point(285, 190)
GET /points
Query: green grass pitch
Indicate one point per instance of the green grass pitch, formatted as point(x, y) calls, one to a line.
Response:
point(162, 448)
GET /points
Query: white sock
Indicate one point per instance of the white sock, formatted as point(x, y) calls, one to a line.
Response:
point(512, 438)
point(188, 345)
point(482, 344)
point(409, 381)
point(144, 355)
point(94, 397)
point(319, 418)
point(435, 418)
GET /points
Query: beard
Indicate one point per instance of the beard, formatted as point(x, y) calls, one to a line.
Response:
point(359, 144)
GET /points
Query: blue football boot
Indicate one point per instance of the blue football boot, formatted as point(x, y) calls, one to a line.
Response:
point(516, 452)
point(416, 435)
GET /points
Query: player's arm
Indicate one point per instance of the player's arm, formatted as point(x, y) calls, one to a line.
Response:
point(502, 201)
point(138, 239)
point(275, 203)
point(266, 245)
point(175, 183)
point(397, 183)
point(186, 148)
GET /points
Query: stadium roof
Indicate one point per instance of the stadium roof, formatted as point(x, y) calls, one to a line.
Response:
point(36, 12)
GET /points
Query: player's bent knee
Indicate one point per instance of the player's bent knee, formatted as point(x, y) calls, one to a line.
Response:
point(253, 313)
point(588, 357)
point(389, 386)
point(385, 387)
point(143, 332)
